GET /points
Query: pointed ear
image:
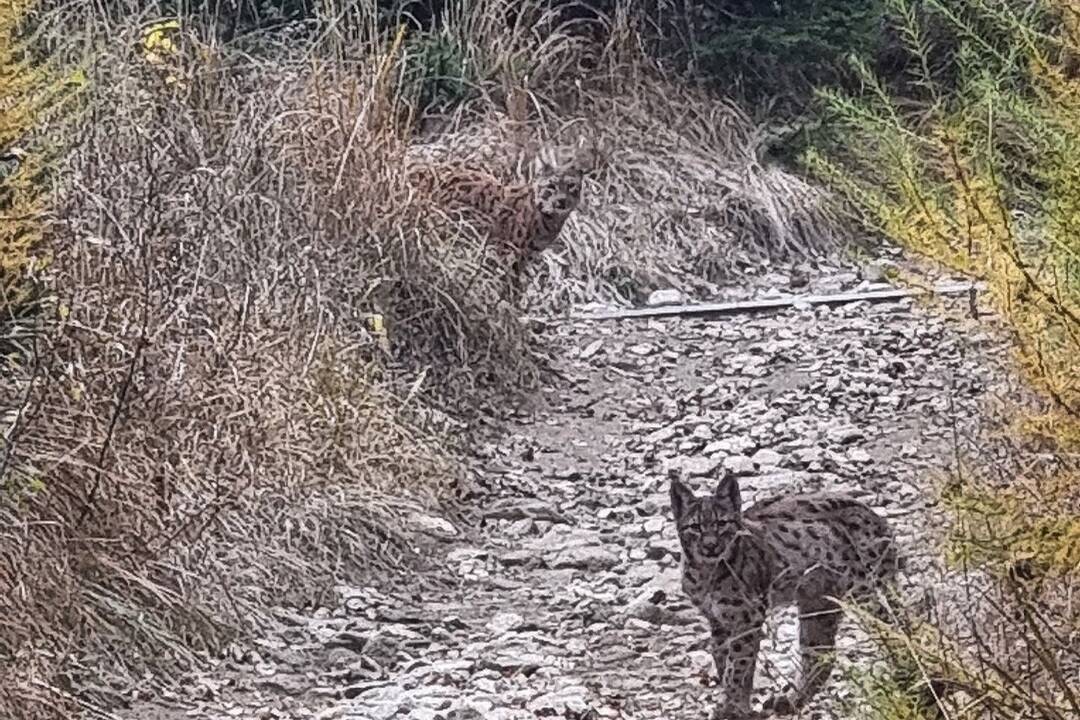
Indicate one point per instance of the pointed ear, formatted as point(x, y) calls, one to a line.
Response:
point(727, 493)
point(681, 497)
point(545, 163)
point(586, 155)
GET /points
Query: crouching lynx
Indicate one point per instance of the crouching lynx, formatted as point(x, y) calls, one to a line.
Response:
point(522, 219)
point(802, 549)
point(515, 218)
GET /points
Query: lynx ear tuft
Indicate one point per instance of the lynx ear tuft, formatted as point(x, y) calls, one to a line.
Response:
point(727, 493)
point(546, 161)
point(681, 497)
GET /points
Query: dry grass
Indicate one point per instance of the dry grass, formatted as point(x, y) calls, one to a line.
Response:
point(207, 427)
point(205, 424)
point(684, 198)
point(687, 203)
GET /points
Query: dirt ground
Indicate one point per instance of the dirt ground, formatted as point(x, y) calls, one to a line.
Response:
point(560, 598)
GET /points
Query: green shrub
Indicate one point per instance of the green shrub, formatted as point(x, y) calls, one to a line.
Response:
point(974, 167)
point(766, 48)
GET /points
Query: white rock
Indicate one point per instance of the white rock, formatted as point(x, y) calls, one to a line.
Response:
point(665, 296)
point(858, 455)
point(736, 444)
point(505, 622)
point(654, 525)
point(767, 458)
point(739, 465)
point(844, 434)
point(591, 349)
point(701, 662)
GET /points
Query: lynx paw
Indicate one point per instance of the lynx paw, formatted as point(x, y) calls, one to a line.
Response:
point(780, 704)
point(730, 712)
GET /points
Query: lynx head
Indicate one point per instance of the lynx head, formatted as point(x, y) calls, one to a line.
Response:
point(707, 525)
point(557, 175)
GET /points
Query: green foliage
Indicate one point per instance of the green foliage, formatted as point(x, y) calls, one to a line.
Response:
point(37, 94)
point(766, 47)
point(1031, 530)
point(970, 160)
point(979, 173)
point(436, 74)
point(888, 694)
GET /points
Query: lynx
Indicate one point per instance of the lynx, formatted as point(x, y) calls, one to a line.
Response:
point(521, 219)
point(801, 548)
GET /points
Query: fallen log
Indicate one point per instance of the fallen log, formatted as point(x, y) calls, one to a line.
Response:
point(777, 303)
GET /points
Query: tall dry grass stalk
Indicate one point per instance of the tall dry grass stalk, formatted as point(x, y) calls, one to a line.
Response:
point(210, 428)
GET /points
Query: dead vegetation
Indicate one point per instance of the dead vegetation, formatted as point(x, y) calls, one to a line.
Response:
point(205, 422)
point(683, 199)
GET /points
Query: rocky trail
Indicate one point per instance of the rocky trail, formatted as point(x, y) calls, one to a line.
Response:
point(564, 601)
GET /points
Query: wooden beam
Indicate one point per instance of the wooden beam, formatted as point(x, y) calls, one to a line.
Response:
point(779, 303)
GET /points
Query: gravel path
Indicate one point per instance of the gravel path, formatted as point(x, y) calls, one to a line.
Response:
point(563, 601)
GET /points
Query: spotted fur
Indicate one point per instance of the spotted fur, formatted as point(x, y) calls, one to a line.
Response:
point(520, 219)
point(800, 549)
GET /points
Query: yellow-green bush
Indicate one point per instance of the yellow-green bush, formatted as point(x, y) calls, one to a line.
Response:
point(21, 204)
point(973, 164)
point(31, 92)
point(33, 106)
point(983, 177)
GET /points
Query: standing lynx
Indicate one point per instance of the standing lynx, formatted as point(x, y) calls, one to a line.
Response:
point(802, 549)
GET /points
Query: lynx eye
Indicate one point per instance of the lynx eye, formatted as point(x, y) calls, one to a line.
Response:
point(692, 528)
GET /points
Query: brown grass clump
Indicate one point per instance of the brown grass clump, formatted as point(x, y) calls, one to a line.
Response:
point(209, 429)
point(686, 200)
point(685, 197)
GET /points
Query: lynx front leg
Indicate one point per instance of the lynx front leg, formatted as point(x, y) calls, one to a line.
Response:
point(735, 649)
point(819, 620)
